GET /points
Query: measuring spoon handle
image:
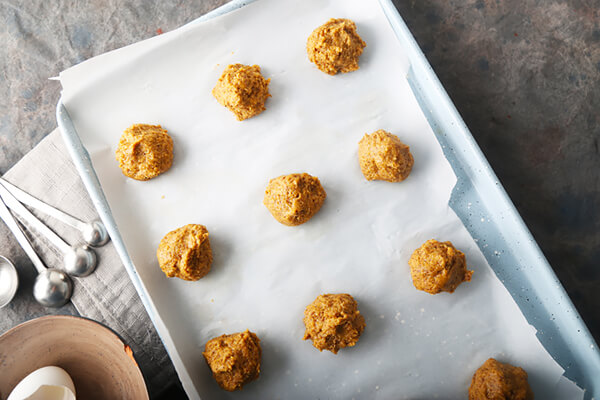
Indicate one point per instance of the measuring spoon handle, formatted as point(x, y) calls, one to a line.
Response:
point(28, 199)
point(14, 227)
point(20, 209)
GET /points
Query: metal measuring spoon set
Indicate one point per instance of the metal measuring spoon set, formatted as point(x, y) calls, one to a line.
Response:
point(53, 287)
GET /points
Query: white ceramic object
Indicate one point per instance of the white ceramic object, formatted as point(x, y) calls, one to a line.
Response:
point(46, 383)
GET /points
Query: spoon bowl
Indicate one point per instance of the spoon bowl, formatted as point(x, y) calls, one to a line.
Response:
point(95, 234)
point(80, 261)
point(9, 281)
point(52, 288)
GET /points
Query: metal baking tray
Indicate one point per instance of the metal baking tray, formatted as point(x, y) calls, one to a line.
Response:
point(478, 199)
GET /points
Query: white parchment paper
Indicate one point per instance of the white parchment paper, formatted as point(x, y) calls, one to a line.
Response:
point(415, 346)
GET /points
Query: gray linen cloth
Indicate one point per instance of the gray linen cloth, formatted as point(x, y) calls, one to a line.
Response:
point(107, 295)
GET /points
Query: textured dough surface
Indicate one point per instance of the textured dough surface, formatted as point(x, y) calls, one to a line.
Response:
point(383, 156)
point(438, 267)
point(335, 46)
point(185, 253)
point(294, 199)
point(243, 90)
point(499, 381)
point(333, 322)
point(234, 359)
point(145, 151)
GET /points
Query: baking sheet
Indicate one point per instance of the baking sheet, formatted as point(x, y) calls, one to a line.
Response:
point(265, 273)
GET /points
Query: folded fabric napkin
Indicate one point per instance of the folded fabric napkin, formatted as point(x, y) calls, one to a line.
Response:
point(106, 296)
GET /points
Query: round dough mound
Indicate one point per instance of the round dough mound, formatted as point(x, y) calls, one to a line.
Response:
point(294, 199)
point(243, 90)
point(498, 381)
point(333, 322)
point(438, 267)
point(185, 253)
point(234, 359)
point(382, 156)
point(335, 46)
point(145, 151)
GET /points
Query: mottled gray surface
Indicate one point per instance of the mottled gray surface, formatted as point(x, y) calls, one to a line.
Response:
point(524, 74)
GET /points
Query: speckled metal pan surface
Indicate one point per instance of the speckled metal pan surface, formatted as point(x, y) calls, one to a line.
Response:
point(478, 199)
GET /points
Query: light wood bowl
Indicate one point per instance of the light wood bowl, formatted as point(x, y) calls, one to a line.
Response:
point(100, 364)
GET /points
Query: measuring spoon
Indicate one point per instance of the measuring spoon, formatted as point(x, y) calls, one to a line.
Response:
point(94, 233)
point(77, 260)
point(52, 288)
point(9, 281)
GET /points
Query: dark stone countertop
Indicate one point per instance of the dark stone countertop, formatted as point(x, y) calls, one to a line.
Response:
point(524, 74)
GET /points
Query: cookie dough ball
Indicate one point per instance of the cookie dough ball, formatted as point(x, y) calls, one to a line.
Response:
point(145, 151)
point(498, 381)
point(382, 156)
point(438, 267)
point(294, 199)
point(234, 359)
point(335, 46)
point(185, 253)
point(243, 90)
point(333, 322)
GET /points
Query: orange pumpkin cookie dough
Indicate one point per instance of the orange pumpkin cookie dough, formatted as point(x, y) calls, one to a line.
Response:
point(294, 199)
point(145, 151)
point(335, 46)
point(243, 90)
point(185, 253)
point(234, 359)
point(499, 381)
point(333, 322)
point(382, 156)
point(438, 267)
